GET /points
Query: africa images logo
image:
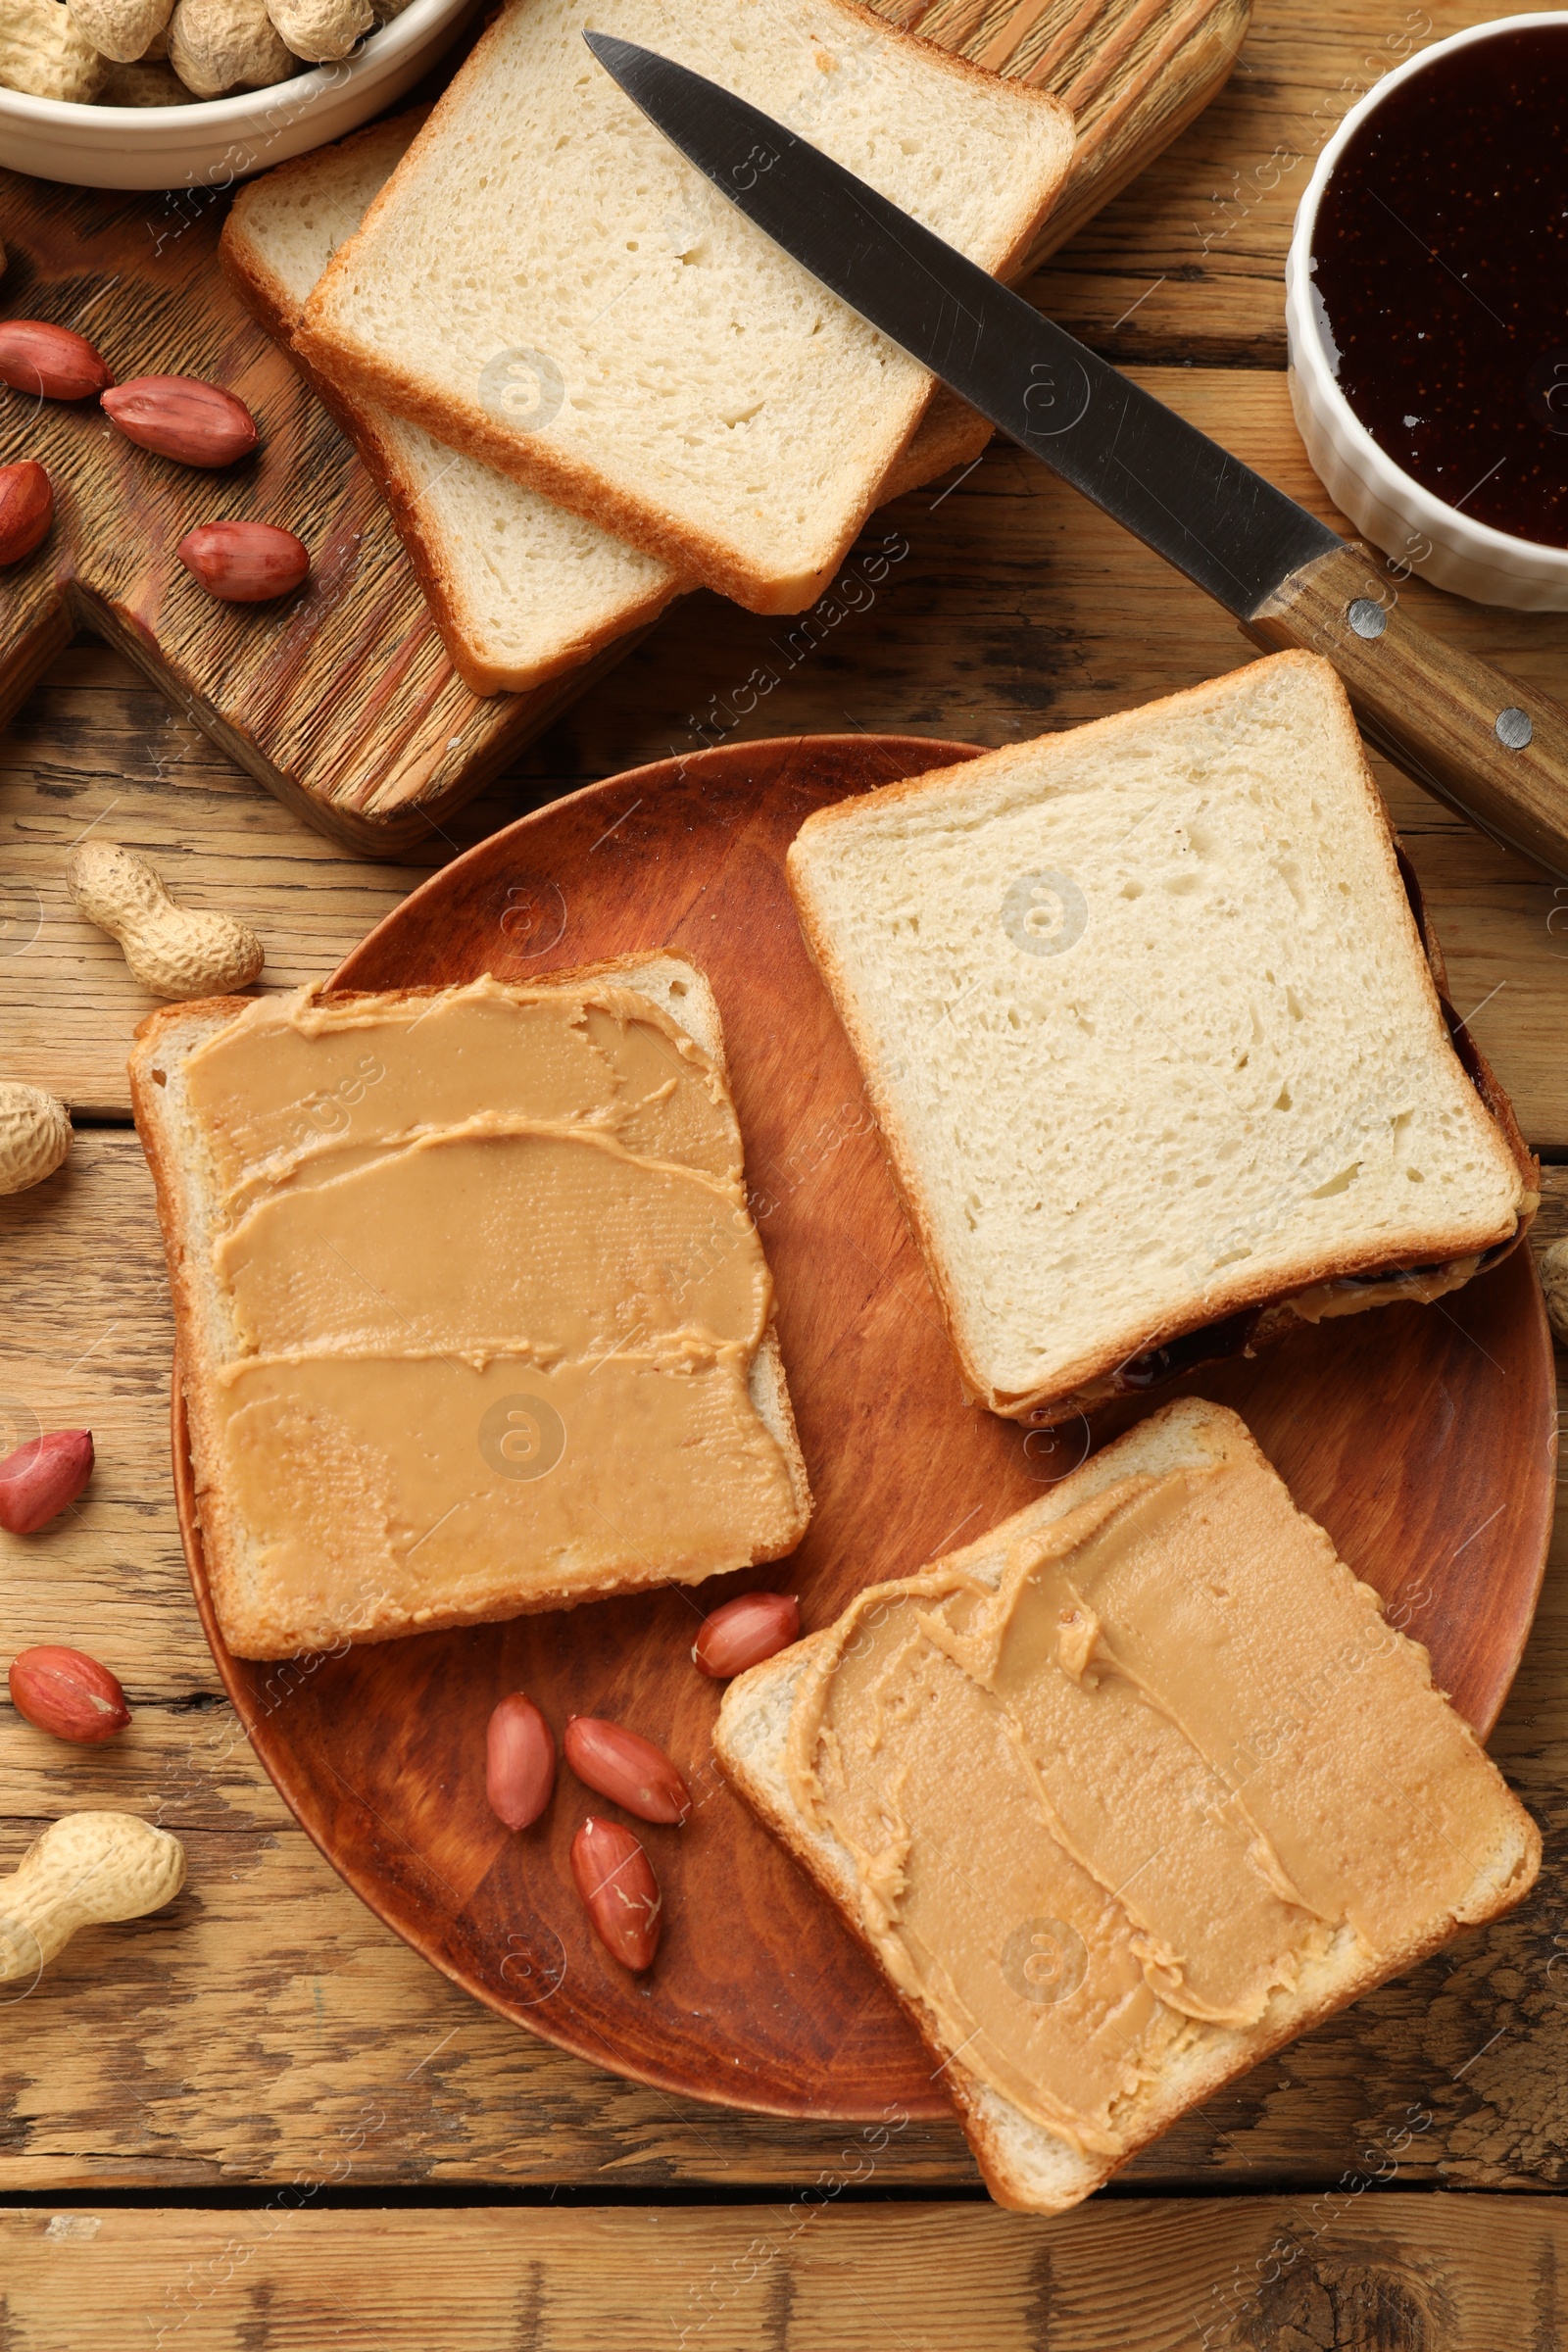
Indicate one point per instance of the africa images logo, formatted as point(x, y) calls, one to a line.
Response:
point(1045, 913)
point(525, 388)
point(522, 1437)
point(1044, 1961)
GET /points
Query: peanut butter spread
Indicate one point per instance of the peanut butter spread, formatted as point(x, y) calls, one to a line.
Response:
point(492, 1296)
point(1113, 1787)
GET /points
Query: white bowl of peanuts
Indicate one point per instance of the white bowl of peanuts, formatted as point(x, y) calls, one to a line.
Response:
point(197, 94)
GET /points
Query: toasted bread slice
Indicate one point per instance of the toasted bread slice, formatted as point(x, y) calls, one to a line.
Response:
point(1026, 2163)
point(545, 283)
point(1147, 1025)
point(264, 1613)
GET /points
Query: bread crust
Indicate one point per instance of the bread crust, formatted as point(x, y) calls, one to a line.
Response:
point(1204, 2071)
point(949, 434)
point(569, 480)
point(1078, 1384)
point(249, 1628)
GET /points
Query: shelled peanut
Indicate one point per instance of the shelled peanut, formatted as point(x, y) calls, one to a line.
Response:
point(743, 1632)
point(50, 362)
point(69, 1696)
point(43, 1478)
point(244, 562)
point(520, 1761)
point(182, 417)
point(26, 509)
point(626, 1767)
point(619, 1892)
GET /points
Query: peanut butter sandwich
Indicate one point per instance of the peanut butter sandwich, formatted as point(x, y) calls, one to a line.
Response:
point(473, 1319)
point(1125, 1794)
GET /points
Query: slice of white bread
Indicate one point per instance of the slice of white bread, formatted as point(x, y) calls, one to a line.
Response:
point(547, 284)
point(520, 589)
point(256, 1621)
point(1147, 1023)
point(1026, 2163)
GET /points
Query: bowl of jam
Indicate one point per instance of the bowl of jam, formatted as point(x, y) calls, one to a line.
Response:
point(1427, 310)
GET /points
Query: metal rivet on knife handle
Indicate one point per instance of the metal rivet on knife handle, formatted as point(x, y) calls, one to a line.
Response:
point(1367, 617)
point(1448, 719)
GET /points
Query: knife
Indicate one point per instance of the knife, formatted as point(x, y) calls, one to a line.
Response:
point(1496, 752)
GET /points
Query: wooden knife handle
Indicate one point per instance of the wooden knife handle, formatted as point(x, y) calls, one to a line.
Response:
point(1495, 751)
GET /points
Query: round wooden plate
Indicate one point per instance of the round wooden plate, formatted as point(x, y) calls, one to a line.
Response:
point(1420, 1438)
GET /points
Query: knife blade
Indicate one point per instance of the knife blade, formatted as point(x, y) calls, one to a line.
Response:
point(1495, 751)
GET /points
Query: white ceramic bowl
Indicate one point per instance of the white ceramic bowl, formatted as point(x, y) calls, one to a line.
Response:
point(210, 144)
point(1382, 499)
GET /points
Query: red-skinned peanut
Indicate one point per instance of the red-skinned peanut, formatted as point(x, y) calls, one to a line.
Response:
point(52, 363)
point(42, 1478)
point(244, 562)
point(26, 508)
point(626, 1767)
point(520, 1761)
point(68, 1693)
point(745, 1632)
point(620, 1891)
point(179, 417)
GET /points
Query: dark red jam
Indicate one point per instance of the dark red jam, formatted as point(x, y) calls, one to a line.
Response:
point(1442, 251)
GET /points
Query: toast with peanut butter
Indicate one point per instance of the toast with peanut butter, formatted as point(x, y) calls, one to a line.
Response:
point(1124, 1795)
point(472, 1316)
point(1154, 1043)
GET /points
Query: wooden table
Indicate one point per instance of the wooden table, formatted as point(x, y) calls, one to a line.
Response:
point(258, 2120)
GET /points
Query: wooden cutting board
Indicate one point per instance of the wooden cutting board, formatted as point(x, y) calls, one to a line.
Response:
point(343, 701)
point(1421, 1437)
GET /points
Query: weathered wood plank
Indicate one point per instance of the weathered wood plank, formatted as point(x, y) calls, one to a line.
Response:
point(1428, 2273)
point(1190, 261)
point(228, 2038)
point(1009, 608)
